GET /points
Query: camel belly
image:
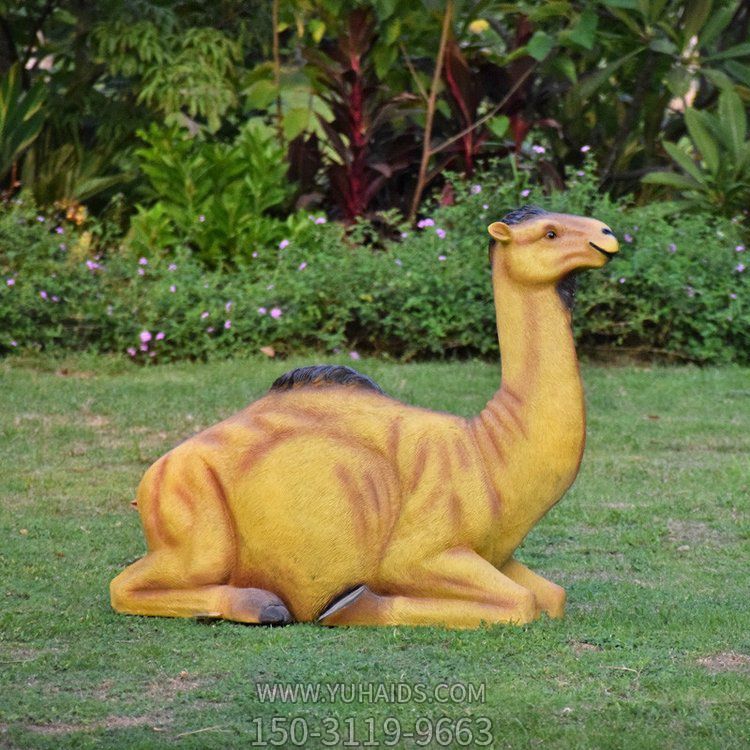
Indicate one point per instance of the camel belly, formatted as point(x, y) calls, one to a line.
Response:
point(311, 518)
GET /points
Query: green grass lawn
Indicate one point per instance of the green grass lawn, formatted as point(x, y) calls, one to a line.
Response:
point(651, 544)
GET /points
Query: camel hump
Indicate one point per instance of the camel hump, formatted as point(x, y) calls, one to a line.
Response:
point(323, 375)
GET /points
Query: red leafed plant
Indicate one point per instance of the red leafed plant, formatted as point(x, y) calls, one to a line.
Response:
point(362, 150)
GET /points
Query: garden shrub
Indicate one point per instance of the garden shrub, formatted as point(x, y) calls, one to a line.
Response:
point(210, 196)
point(679, 287)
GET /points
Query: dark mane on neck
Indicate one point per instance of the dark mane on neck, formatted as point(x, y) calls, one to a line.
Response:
point(518, 215)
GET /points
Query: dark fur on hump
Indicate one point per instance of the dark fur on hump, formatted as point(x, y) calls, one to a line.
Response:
point(566, 287)
point(322, 375)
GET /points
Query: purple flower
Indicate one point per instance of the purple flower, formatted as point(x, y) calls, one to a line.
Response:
point(160, 335)
point(732, 295)
point(143, 347)
point(228, 305)
point(131, 350)
point(210, 329)
point(92, 265)
point(172, 288)
point(63, 246)
point(255, 253)
point(672, 248)
point(172, 267)
point(276, 312)
point(227, 324)
point(398, 262)
point(201, 218)
point(10, 282)
point(579, 173)
point(321, 220)
point(141, 272)
point(354, 355)
point(739, 249)
point(204, 315)
point(538, 149)
point(621, 279)
point(262, 311)
point(485, 206)
point(525, 193)
point(41, 219)
point(13, 343)
point(55, 298)
point(59, 230)
point(302, 266)
point(440, 233)
point(441, 258)
point(627, 237)
point(404, 235)
point(423, 223)
point(585, 149)
point(144, 336)
point(283, 244)
point(740, 267)
point(475, 189)
point(43, 294)
point(142, 261)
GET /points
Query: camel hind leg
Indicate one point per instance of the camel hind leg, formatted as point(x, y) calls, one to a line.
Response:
point(191, 543)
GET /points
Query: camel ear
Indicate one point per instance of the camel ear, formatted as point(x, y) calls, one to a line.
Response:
point(499, 231)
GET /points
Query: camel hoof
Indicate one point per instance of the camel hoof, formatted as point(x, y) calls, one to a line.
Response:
point(341, 603)
point(274, 614)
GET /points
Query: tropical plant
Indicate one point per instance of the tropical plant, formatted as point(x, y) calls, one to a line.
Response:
point(210, 196)
point(21, 118)
point(715, 171)
point(362, 149)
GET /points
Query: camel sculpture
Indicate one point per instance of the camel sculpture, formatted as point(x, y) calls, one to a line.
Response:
point(326, 500)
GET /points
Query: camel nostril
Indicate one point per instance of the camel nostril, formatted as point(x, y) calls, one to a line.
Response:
point(608, 231)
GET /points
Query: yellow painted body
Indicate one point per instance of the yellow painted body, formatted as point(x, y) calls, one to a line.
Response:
point(310, 493)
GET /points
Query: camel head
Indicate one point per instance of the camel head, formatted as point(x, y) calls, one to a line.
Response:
point(538, 247)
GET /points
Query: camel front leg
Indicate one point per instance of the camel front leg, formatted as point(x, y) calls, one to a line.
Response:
point(152, 586)
point(550, 597)
point(457, 589)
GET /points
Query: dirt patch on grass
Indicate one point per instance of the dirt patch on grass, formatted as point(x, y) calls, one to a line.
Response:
point(167, 687)
point(582, 647)
point(695, 533)
point(727, 661)
point(110, 722)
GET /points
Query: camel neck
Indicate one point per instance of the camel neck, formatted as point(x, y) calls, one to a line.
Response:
point(531, 433)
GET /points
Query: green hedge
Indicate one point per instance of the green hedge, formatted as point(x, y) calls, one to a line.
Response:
point(679, 287)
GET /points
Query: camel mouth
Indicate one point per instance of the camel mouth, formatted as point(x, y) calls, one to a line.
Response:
point(608, 255)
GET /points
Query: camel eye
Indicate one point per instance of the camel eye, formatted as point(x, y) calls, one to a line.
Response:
point(551, 235)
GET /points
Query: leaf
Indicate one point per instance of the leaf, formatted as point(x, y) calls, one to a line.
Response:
point(499, 125)
point(566, 67)
point(663, 46)
point(260, 94)
point(739, 50)
point(679, 80)
point(671, 179)
point(296, 121)
point(719, 20)
point(733, 121)
point(695, 16)
point(317, 29)
point(540, 45)
point(584, 32)
point(590, 84)
point(739, 71)
point(683, 160)
point(704, 142)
